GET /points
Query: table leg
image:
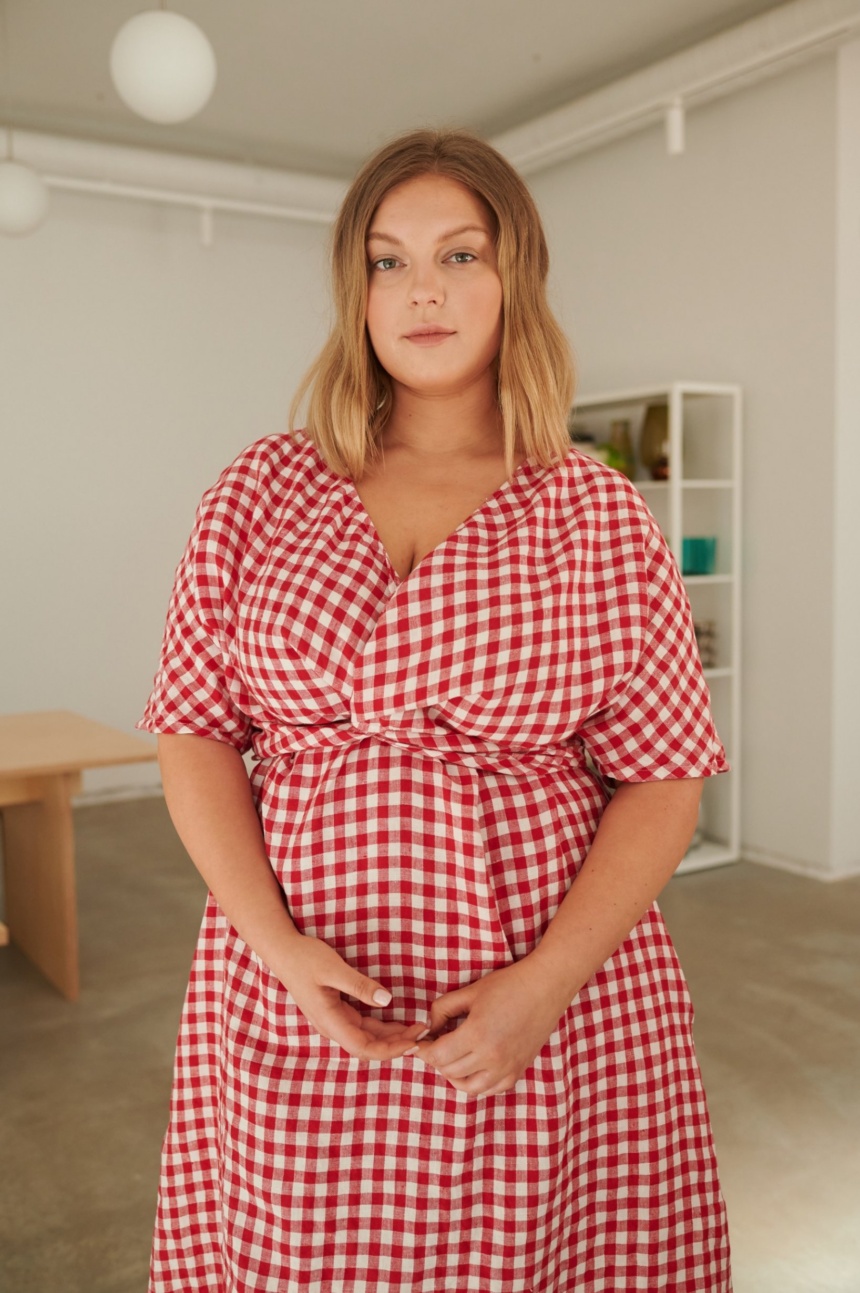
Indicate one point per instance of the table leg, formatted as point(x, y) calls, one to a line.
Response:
point(41, 907)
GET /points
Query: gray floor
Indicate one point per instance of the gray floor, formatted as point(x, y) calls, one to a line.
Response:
point(773, 963)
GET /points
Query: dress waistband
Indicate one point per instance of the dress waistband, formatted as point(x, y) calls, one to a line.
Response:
point(432, 742)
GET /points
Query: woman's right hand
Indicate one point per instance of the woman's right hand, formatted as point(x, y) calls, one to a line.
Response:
point(213, 809)
point(315, 975)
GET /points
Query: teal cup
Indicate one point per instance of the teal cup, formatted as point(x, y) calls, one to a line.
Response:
point(699, 555)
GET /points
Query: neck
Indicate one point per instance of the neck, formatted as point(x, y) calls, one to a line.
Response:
point(467, 425)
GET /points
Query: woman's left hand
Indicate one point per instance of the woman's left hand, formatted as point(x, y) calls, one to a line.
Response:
point(510, 1013)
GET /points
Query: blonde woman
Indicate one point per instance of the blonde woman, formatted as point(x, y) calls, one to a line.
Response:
point(436, 1037)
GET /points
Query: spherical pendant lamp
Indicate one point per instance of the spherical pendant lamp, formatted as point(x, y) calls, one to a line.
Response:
point(163, 66)
point(23, 198)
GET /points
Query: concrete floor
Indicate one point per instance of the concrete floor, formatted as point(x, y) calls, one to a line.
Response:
point(773, 963)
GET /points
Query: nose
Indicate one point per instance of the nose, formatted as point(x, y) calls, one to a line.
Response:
point(425, 285)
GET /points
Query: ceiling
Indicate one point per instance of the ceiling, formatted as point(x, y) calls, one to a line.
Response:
point(315, 85)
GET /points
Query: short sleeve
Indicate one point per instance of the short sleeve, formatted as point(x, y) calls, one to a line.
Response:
point(197, 691)
point(658, 723)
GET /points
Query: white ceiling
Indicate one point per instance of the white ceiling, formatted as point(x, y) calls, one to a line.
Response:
point(315, 85)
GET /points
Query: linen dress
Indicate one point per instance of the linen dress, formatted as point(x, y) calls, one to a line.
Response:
point(432, 758)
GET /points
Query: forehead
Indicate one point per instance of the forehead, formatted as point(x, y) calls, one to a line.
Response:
point(428, 201)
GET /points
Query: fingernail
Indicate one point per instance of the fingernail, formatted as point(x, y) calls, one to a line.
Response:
point(421, 1036)
point(381, 997)
point(414, 1051)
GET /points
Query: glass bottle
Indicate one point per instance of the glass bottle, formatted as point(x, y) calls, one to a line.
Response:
point(621, 447)
point(652, 437)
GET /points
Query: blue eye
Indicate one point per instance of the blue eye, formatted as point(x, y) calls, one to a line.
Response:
point(470, 255)
point(384, 262)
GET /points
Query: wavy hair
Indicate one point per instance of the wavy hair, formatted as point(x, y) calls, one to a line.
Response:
point(350, 393)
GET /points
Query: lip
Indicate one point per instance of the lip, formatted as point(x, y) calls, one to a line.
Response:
point(429, 336)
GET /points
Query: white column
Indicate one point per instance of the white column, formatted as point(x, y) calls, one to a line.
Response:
point(844, 850)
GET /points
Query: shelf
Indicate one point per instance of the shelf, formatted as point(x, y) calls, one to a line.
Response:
point(655, 394)
point(707, 854)
point(698, 429)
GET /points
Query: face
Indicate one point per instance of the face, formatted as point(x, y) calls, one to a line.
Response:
point(434, 301)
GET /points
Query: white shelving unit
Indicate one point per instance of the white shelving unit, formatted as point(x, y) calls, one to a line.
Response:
point(702, 496)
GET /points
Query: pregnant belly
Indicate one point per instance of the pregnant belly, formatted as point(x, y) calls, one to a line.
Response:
point(421, 873)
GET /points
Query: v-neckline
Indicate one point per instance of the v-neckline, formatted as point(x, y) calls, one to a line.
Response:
point(491, 500)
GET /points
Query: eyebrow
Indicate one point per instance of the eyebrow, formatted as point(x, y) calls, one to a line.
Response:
point(378, 236)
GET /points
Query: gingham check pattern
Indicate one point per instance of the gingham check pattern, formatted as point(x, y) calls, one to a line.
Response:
point(421, 774)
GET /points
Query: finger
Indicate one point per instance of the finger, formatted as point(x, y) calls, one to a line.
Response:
point(451, 1046)
point(359, 986)
point(382, 1028)
point(497, 1089)
point(342, 1024)
point(447, 1051)
point(478, 1083)
point(376, 1027)
point(356, 1042)
point(442, 1051)
point(450, 1006)
point(461, 1068)
point(388, 1028)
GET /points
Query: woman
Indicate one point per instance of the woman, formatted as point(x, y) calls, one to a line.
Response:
point(436, 1037)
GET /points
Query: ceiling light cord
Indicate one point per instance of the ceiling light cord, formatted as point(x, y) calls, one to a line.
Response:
point(675, 127)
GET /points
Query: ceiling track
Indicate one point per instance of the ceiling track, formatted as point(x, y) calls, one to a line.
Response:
point(205, 185)
point(765, 46)
point(206, 205)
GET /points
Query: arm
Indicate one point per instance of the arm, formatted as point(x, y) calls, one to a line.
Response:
point(211, 805)
point(209, 799)
point(642, 836)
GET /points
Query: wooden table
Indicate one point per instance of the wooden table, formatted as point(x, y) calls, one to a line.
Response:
point(42, 757)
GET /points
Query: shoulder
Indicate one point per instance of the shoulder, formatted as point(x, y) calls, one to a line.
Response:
point(593, 497)
point(263, 478)
point(263, 463)
point(605, 529)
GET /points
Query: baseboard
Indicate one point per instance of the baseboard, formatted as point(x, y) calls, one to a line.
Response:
point(762, 858)
point(115, 795)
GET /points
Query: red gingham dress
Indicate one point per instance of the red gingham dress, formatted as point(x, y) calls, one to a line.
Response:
point(432, 758)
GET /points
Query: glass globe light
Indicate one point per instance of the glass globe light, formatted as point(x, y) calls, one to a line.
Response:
point(23, 198)
point(163, 66)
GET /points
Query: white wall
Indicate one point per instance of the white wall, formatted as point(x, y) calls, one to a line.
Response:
point(718, 265)
point(134, 365)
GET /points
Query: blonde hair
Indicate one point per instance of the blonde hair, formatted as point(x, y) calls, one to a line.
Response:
point(351, 395)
